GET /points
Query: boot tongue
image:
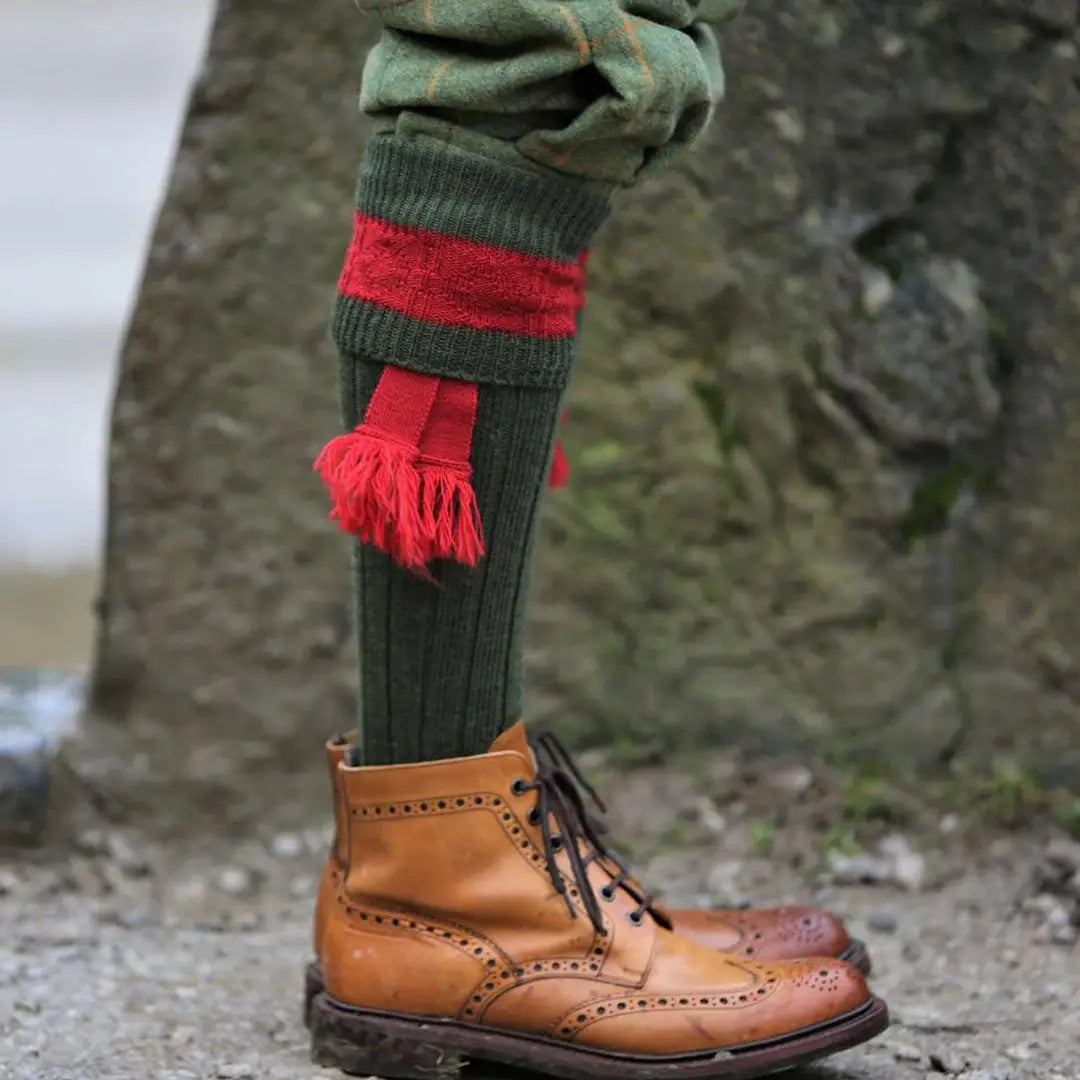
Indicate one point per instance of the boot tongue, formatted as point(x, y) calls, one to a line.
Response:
point(514, 740)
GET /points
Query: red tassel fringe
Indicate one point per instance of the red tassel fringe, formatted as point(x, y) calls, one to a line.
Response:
point(449, 514)
point(385, 494)
point(374, 488)
point(559, 476)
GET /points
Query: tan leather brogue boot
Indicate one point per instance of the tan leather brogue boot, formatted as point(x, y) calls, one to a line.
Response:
point(782, 933)
point(475, 923)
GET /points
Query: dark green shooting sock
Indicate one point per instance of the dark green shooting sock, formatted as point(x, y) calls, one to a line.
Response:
point(441, 664)
point(456, 321)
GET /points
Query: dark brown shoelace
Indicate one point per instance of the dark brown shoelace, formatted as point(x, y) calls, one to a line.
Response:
point(562, 790)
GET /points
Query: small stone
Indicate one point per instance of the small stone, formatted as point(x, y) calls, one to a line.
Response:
point(1065, 854)
point(1042, 904)
point(857, 869)
point(907, 1052)
point(1058, 928)
point(236, 880)
point(793, 780)
point(287, 846)
point(884, 920)
point(708, 817)
point(911, 952)
point(234, 1072)
point(130, 862)
point(945, 1061)
point(908, 867)
point(302, 885)
point(9, 883)
point(957, 282)
point(877, 292)
point(1064, 935)
point(910, 871)
point(132, 918)
point(949, 824)
point(1019, 1052)
point(892, 45)
point(92, 842)
point(789, 125)
point(1072, 886)
point(992, 1072)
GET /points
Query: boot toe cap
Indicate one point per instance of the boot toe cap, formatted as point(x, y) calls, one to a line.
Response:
point(771, 1002)
point(783, 933)
point(806, 931)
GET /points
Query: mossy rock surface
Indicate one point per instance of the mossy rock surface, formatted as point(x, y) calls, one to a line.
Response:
point(826, 428)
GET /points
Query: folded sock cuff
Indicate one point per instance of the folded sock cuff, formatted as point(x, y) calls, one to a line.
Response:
point(464, 267)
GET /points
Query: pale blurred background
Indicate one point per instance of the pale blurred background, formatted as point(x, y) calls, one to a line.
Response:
point(91, 95)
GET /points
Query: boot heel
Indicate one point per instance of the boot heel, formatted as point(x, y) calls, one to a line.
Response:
point(367, 1044)
point(312, 986)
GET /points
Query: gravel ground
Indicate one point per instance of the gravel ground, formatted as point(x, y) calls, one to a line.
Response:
point(126, 960)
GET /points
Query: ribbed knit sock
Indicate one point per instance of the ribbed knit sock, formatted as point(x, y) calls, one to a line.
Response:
point(467, 274)
point(441, 664)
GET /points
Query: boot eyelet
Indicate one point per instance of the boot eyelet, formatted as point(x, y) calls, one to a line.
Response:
point(518, 787)
point(534, 816)
point(608, 893)
point(634, 919)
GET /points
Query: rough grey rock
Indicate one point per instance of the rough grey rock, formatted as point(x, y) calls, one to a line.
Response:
point(826, 427)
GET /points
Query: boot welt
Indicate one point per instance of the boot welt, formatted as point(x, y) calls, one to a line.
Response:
point(401, 1047)
point(855, 954)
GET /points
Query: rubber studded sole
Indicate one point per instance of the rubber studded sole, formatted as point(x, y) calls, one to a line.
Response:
point(367, 1043)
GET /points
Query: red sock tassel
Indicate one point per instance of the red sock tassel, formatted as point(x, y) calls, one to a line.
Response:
point(402, 480)
point(559, 476)
point(559, 473)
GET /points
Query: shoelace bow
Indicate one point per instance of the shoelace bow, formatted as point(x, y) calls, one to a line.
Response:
point(562, 789)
